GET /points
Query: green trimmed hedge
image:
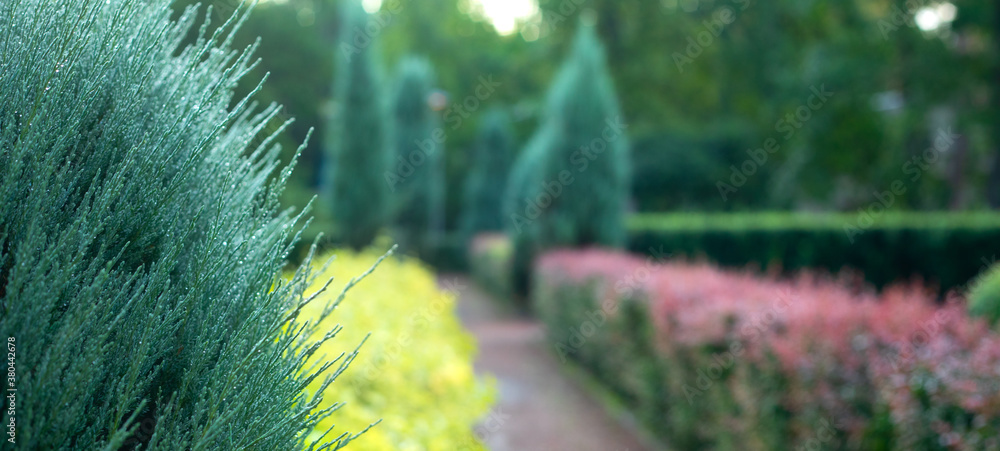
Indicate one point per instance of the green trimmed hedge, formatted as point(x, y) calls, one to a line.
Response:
point(944, 249)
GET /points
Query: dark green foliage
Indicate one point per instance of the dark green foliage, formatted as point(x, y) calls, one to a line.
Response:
point(984, 299)
point(945, 249)
point(357, 136)
point(140, 249)
point(416, 177)
point(678, 170)
point(487, 180)
point(447, 254)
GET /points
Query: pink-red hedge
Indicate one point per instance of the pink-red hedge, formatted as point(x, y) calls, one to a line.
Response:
point(841, 351)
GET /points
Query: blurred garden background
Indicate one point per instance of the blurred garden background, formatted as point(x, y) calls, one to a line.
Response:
point(738, 224)
point(500, 224)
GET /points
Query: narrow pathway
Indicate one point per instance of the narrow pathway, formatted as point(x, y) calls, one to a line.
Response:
point(540, 408)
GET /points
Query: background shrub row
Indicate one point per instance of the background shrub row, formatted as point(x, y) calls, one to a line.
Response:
point(719, 360)
point(945, 250)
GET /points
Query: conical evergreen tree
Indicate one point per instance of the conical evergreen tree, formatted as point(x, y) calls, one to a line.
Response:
point(415, 178)
point(585, 169)
point(571, 184)
point(140, 248)
point(521, 210)
point(484, 188)
point(357, 137)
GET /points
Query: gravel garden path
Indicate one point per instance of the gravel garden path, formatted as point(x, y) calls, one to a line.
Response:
point(542, 404)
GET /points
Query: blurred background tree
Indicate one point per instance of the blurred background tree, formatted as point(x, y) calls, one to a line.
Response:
point(585, 168)
point(415, 176)
point(358, 137)
point(701, 81)
point(487, 179)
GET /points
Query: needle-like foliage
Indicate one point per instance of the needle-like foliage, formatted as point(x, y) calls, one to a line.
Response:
point(140, 243)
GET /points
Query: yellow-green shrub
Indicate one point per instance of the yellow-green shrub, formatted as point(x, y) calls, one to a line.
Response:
point(414, 372)
point(984, 298)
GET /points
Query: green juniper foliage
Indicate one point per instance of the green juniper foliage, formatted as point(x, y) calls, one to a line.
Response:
point(357, 144)
point(415, 178)
point(140, 245)
point(487, 180)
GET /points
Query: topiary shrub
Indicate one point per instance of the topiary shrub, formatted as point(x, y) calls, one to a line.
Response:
point(570, 185)
point(487, 180)
point(585, 166)
point(416, 177)
point(140, 248)
point(416, 370)
point(984, 297)
point(357, 144)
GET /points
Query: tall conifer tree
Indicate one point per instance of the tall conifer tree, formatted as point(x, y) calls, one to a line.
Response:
point(358, 143)
point(416, 179)
point(487, 180)
point(571, 184)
